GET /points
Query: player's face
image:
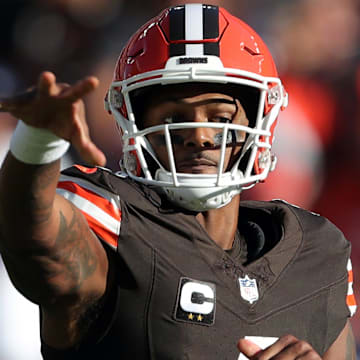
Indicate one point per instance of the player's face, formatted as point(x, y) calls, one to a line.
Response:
point(196, 150)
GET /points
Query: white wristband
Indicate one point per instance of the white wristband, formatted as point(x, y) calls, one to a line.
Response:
point(36, 146)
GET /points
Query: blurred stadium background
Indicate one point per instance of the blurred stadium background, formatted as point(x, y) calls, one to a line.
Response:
point(316, 44)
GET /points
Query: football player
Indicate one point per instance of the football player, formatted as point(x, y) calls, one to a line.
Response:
point(161, 260)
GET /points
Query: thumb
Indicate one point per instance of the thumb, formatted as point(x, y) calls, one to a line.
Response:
point(87, 150)
point(91, 153)
point(248, 348)
point(85, 147)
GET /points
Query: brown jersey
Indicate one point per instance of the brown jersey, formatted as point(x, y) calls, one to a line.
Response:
point(180, 296)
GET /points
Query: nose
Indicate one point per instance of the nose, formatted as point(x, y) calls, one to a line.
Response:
point(199, 137)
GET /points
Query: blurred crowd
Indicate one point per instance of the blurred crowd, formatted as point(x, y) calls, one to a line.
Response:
point(316, 47)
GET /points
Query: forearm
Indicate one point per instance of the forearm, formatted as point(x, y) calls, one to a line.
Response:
point(48, 248)
point(27, 194)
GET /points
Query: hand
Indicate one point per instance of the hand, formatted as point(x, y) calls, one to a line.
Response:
point(58, 108)
point(288, 347)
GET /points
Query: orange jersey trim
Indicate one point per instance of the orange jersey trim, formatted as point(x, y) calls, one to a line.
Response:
point(102, 205)
point(107, 235)
point(94, 198)
point(350, 300)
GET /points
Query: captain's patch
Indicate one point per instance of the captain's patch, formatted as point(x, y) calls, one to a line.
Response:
point(195, 302)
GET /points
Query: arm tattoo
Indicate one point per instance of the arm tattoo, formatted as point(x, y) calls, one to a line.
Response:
point(47, 176)
point(77, 258)
point(44, 182)
point(350, 346)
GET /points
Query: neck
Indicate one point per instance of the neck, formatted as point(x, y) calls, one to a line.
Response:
point(221, 224)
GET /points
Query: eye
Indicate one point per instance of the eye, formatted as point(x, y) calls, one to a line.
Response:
point(223, 119)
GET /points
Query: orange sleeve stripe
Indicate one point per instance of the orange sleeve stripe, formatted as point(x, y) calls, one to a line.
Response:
point(106, 235)
point(350, 300)
point(99, 201)
point(86, 170)
point(350, 276)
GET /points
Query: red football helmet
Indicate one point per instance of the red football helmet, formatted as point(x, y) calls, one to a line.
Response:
point(196, 43)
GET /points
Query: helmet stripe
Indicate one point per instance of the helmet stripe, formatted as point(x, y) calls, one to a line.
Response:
point(212, 49)
point(211, 22)
point(194, 49)
point(177, 49)
point(193, 22)
point(194, 29)
point(211, 29)
point(177, 23)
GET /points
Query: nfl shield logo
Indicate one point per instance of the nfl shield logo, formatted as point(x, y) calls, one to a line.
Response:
point(248, 289)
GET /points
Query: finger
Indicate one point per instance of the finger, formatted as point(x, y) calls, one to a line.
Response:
point(248, 348)
point(80, 89)
point(47, 84)
point(310, 355)
point(87, 150)
point(93, 155)
point(90, 153)
point(8, 104)
point(286, 344)
point(5, 105)
point(297, 350)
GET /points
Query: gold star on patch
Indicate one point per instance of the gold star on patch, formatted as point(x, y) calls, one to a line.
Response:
point(190, 316)
point(199, 318)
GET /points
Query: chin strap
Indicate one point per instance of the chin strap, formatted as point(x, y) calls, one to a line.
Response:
point(192, 195)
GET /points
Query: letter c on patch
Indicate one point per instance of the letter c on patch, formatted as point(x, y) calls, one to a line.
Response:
point(197, 298)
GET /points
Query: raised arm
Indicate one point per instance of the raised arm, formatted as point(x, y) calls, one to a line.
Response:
point(50, 253)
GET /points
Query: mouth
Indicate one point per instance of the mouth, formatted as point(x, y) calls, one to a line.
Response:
point(197, 166)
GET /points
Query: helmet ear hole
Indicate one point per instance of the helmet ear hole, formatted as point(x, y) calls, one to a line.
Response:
point(120, 130)
point(257, 169)
point(106, 103)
